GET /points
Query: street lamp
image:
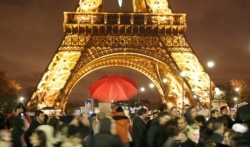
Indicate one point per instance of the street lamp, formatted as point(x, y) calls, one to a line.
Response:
point(237, 89)
point(182, 74)
point(210, 64)
point(21, 99)
point(236, 101)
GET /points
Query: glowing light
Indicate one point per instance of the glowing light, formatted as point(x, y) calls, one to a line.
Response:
point(165, 80)
point(120, 3)
point(210, 64)
point(151, 85)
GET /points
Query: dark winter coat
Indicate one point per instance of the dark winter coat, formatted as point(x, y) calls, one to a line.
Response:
point(139, 131)
point(105, 138)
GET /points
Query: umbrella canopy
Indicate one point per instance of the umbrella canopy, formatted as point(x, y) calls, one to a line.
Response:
point(111, 88)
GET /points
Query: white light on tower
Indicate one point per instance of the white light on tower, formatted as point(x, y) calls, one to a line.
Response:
point(183, 74)
point(120, 3)
point(165, 80)
point(142, 89)
point(151, 85)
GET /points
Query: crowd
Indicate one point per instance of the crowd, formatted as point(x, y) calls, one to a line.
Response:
point(144, 128)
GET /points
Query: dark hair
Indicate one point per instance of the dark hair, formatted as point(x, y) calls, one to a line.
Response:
point(200, 119)
point(38, 112)
point(41, 137)
point(217, 124)
point(241, 141)
point(119, 109)
point(162, 114)
point(174, 107)
point(54, 122)
point(222, 108)
point(162, 107)
point(142, 111)
point(73, 130)
point(20, 105)
point(213, 111)
point(172, 130)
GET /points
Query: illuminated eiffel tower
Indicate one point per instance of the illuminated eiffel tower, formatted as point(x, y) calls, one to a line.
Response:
point(150, 40)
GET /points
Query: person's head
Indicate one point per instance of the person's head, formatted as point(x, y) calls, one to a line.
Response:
point(218, 126)
point(5, 135)
point(223, 110)
point(155, 113)
point(193, 133)
point(214, 113)
point(20, 108)
point(163, 108)
point(173, 131)
point(142, 112)
point(240, 141)
point(186, 106)
point(190, 114)
point(107, 125)
point(164, 117)
point(119, 109)
point(39, 115)
point(226, 139)
point(38, 138)
point(181, 123)
point(54, 122)
point(200, 120)
point(174, 112)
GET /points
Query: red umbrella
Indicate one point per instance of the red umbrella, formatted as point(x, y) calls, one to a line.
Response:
point(113, 88)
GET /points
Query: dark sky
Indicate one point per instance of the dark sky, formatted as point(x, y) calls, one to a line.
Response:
point(31, 31)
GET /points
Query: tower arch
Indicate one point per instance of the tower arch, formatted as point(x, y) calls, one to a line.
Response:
point(151, 36)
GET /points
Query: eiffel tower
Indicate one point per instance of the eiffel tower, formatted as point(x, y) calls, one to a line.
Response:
point(150, 39)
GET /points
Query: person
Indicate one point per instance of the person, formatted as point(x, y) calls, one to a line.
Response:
point(155, 114)
point(156, 135)
point(226, 137)
point(38, 120)
point(51, 131)
point(193, 135)
point(86, 128)
point(5, 138)
point(225, 113)
point(201, 121)
point(73, 137)
point(17, 132)
point(139, 128)
point(218, 128)
point(174, 113)
point(214, 114)
point(122, 123)
point(190, 115)
point(182, 126)
point(174, 138)
point(106, 137)
point(38, 139)
point(19, 110)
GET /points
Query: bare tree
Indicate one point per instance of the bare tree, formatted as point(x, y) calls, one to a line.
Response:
point(9, 89)
point(239, 87)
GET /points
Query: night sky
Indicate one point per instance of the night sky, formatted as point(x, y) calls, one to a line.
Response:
point(31, 32)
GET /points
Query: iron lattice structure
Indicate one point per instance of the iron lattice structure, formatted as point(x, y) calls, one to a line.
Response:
point(150, 40)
